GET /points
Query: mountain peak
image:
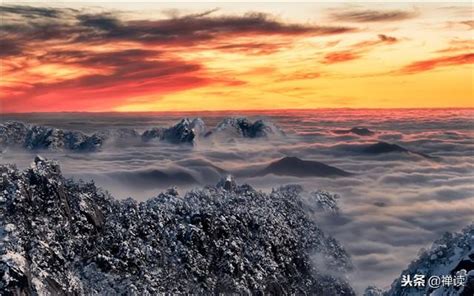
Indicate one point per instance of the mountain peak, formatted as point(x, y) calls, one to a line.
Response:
point(294, 166)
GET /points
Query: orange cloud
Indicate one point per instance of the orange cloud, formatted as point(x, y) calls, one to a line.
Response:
point(130, 73)
point(340, 56)
point(86, 59)
point(457, 45)
point(357, 50)
point(469, 23)
point(426, 65)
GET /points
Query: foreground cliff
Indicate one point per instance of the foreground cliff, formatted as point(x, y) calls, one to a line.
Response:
point(445, 269)
point(449, 261)
point(60, 237)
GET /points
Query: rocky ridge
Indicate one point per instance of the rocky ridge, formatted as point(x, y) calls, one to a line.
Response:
point(242, 127)
point(63, 237)
point(186, 131)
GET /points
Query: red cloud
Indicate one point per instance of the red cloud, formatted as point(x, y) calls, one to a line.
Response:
point(132, 73)
point(340, 56)
point(426, 65)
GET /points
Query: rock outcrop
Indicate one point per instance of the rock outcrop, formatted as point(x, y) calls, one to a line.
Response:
point(243, 128)
point(184, 131)
point(33, 137)
point(451, 259)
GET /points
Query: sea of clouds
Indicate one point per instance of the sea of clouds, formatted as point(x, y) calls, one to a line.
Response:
point(393, 204)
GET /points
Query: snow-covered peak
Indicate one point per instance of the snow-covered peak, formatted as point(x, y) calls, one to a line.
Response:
point(241, 127)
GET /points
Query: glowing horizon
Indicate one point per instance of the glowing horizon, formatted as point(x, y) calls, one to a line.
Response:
point(269, 56)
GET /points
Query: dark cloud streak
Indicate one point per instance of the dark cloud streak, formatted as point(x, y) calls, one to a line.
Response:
point(79, 27)
point(30, 11)
point(469, 23)
point(365, 16)
point(386, 38)
point(194, 29)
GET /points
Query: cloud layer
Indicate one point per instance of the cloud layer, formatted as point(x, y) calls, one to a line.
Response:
point(108, 59)
point(393, 205)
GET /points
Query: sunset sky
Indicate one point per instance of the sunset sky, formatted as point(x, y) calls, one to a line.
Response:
point(234, 56)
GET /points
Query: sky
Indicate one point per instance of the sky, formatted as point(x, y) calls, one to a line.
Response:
point(151, 56)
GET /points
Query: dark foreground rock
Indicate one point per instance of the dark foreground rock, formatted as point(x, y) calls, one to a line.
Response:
point(63, 237)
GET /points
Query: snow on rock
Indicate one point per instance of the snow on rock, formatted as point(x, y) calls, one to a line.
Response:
point(12, 133)
point(184, 131)
point(78, 141)
point(243, 128)
point(34, 137)
point(41, 137)
point(227, 183)
point(73, 238)
point(151, 134)
point(373, 291)
point(325, 201)
point(450, 256)
point(198, 126)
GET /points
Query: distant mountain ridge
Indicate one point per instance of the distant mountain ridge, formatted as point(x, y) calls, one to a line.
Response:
point(186, 131)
